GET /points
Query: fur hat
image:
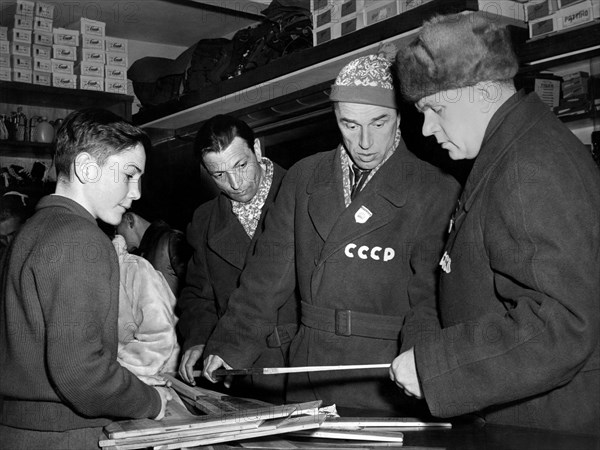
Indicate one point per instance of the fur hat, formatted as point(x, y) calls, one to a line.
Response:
point(367, 80)
point(455, 51)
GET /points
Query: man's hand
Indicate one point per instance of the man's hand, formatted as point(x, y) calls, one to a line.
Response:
point(165, 396)
point(403, 372)
point(212, 363)
point(188, 361)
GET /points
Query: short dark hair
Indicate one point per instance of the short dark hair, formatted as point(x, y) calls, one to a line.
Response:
point(98, 132)
point(218, 132)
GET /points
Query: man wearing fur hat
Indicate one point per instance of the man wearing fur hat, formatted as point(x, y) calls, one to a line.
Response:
point(520, 289)
point(358, 231)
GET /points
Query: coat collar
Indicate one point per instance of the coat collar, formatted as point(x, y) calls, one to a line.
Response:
point(519, 114)
point(225, 229)
point(381, 197)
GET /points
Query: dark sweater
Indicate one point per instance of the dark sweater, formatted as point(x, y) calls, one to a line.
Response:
point(58, 327)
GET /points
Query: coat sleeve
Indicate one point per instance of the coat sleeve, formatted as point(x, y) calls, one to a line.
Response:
point(196, 305)
point(541, 238)
point(80, 307)
point(421, 322)
point(268, 280)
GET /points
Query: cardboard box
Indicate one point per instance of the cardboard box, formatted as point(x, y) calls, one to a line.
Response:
point(548, 90)
point(324, 34)
point(22, 36)
point(407, 5)
point(3, 33)
point(4, 60)
point(93, 42)
point(62, 36)
point(91, 69)
point(115, 45)
point(23, 22)
point(115, 73)
point(567, 3)
point(380, 10)
point(316, 5)
point(65, 52)
point(91, 83)
point(62, 67)
point(64, 81)
point(42, 65)
point(22, 62)
point(92, 55)
point(25, 7)
point(4, 48)
point(116, 59)
point(115, 86)
point(5, 74)
point(44, 10)
point(578, 14)
point(349, 8)
point(22, 76)
point(538, 9)
point(544, 26)
point(42, 24)
point(42, 38)
point(42, 51)
point(92, 27)
point(42, 78)
point(16, 48)
point(351, 23)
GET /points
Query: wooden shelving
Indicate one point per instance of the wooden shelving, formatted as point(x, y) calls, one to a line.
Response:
point(26, 149)
point(297, 73)
point(35, 95)
point(560, 48)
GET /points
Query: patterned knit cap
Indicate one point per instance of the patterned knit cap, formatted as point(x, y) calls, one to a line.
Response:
point(367, 80)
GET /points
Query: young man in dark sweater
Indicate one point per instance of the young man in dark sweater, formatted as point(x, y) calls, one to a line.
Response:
point(60, 381)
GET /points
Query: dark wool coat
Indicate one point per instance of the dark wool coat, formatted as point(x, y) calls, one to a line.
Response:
point(378, 256)
point(58, 327)
point(520, 306)
point(220, 249)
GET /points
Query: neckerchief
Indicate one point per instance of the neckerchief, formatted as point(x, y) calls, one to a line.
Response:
point(249, 213)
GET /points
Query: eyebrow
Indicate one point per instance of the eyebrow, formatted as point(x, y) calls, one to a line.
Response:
point(136, 168)
point(375, 119)
point(237, 163)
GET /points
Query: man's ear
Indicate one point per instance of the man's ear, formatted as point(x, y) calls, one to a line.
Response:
point(257, 149)
point(86, 168)
point(489, 93)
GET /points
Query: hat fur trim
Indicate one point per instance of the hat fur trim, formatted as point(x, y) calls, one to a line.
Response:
point(455, 51)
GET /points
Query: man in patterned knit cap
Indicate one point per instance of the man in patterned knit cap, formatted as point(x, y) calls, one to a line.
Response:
point(358, 232)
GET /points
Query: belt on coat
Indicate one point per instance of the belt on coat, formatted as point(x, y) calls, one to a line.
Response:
point(345, 322)
point(281, 335)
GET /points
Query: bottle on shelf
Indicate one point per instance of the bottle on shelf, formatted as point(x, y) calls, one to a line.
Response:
point(3, 128)
point(44, 131)
point(33, 121)
point(21, 125)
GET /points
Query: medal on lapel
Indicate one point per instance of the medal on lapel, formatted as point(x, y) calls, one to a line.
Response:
point(362, 215)
point(445, 262)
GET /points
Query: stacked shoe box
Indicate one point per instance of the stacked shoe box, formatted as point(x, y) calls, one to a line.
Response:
point(116, 65)
point(19, 42)
point(42, 40)
point(92, 56)
point(549, 16)
point(5, 70)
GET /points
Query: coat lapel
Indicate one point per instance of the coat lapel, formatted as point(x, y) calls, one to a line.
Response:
point(224, 230)
point(326, 195)
point(378, 203)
